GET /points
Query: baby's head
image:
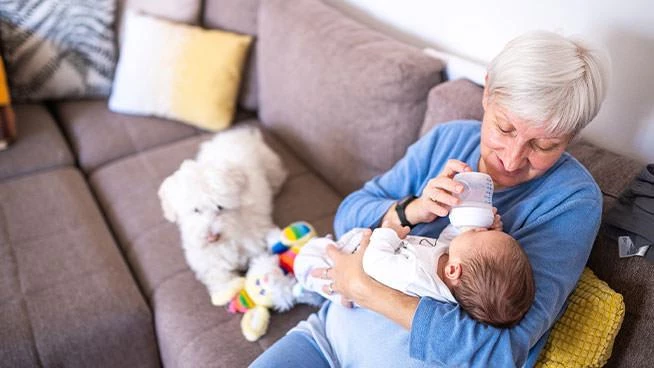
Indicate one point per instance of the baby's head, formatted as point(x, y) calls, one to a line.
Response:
point(490, 276)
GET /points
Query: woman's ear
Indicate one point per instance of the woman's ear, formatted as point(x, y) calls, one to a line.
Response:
point(453, 272)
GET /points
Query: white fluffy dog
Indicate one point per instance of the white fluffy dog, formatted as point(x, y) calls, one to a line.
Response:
point(222, 203)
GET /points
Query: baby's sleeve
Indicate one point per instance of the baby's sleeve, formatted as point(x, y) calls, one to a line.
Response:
point(382, 263)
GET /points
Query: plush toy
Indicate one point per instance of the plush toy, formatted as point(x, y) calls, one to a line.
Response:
point(265, 286)
point(270, 284)
point(291, 239)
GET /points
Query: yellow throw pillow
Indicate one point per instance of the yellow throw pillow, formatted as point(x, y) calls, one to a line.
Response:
point(178, 71)
point(584, 335)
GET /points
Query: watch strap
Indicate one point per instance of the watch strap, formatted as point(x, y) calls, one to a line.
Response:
point(400, 209)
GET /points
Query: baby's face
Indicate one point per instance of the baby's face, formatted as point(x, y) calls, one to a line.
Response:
point(464, 245)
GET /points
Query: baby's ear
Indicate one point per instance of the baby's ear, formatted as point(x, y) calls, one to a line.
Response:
point(452, 271)
point(165, 197)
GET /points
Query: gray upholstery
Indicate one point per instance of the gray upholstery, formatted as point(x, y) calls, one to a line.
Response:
point(67, 298)
point(238, 16)
point(39, 145)
point(459, 99)
point(98, 135)
point(347, 99)
point(189, 328)
point(611, 171)
point(183, 11)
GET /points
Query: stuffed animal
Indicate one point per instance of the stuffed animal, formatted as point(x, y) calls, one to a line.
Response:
point(264, 286)
point(291, 239)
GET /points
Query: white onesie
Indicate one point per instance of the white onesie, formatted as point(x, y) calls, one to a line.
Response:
point(407, 265)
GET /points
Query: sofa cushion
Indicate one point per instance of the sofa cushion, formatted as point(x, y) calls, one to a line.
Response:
point(452, 100)
point(39, 144)
point(586, 331)
point(178, 71)
point(347, 99)
point(612, 172)
point(189, 328)
point(238, 16)
point(47, 48)
point(66, 295)
point(98, 135)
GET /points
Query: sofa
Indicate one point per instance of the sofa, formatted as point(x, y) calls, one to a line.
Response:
point(91, 274)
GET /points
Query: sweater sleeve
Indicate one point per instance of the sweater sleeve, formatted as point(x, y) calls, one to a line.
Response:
point(366, 206)
point(557, 244)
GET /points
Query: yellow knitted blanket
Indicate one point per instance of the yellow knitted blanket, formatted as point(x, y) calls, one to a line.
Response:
point(584, 335)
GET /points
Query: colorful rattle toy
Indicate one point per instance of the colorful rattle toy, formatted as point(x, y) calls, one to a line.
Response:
point(293, 238)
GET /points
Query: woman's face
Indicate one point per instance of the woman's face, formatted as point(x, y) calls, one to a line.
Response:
point(513, 150)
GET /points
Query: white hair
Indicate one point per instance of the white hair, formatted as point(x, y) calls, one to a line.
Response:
point(551, 80)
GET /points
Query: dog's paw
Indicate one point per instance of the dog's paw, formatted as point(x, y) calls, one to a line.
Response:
point(224, 295)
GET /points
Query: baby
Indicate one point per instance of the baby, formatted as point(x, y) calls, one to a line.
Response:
point(484, 270)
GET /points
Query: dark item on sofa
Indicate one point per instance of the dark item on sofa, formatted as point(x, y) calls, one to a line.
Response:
point(630, 221)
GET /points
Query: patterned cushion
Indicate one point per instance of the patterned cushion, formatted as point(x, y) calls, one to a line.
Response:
point(584, 335)
point(58, 49)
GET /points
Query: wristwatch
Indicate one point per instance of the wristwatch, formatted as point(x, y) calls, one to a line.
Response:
point(400, 209)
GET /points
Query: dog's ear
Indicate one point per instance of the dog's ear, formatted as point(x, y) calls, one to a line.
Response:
point(165, 194)
point(229, 175)
point(240, 178)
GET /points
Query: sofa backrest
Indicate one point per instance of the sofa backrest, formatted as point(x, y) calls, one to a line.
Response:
point(182, 11)
point(345, 98)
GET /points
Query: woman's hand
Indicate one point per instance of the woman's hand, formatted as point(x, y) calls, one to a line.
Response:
point(347, 276)
point(436, 199)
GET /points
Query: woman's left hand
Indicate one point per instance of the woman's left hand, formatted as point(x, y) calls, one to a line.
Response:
point(347, 276)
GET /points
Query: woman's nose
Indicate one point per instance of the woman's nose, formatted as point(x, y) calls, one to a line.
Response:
point(514, 158)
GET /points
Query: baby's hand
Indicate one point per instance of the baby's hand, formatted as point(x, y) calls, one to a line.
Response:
point(401, 231)
point(497, 221)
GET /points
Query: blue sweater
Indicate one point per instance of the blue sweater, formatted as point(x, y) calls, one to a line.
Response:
point(555, 218)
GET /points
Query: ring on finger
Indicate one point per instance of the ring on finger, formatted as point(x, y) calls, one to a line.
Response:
point(324, 273)
point(330, 288)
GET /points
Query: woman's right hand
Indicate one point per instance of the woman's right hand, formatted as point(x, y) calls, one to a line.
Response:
point(436, 199)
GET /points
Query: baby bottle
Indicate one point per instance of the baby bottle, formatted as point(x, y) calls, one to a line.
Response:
point(476, 206)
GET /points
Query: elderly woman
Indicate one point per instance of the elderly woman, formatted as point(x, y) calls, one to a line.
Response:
point(541, 90)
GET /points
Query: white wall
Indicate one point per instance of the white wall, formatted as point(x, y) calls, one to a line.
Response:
point(478, 29)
